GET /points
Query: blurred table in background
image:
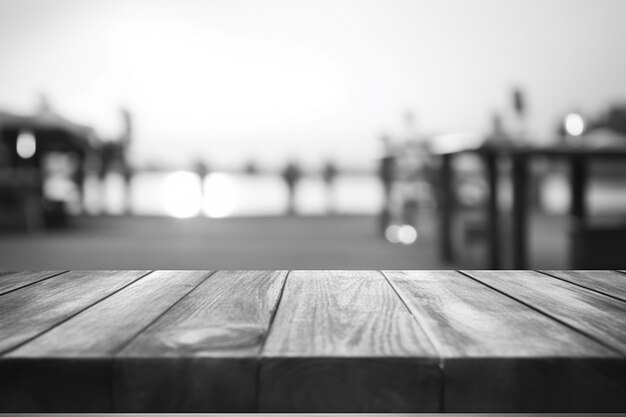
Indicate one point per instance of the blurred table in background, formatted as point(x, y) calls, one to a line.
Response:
point(312, 341)
point(578, 160)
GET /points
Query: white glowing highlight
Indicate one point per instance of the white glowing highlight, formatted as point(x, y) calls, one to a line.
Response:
point(220, 195)
point(392, 233)
point(574, 124)
point(182, 195)
point(26, 145)
point(407, 234)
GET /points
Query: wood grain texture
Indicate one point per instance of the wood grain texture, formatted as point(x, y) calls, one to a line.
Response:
point(502, 356)
point(76, 356)
point(202, 355)
point(10, 281)
point(587, 311)
point(37, 381)
point(343, 341)
point(32, 310)
point(312, 341)
point(611, 283)
point(467, 319)
point(103, 329)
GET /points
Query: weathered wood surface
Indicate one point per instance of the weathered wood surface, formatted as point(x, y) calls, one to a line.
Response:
point(589, 312)
point(490, 343)
point(10, 281)
point(611, 283)
point(306, 341)
point(77, 354)
point(342, 341)
point(203, 352)
point(26, 313)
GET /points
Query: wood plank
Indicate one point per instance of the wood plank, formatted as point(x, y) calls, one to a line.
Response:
point(203, 353)
point(30, 311)
point(10, 281)
point(105, 327)
point(502, 356)
point(611, 283)
point(591, 313)
point(76, 356)
point(468, 319)
point(342, 341)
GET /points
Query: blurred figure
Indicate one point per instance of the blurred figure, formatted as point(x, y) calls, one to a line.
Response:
point(113, 156)
point(291, 175)
point(414, 173)
point(127, 171)
point(413, 182)
point(498, 136)
point(520, 110)
point(251, 168)
point(202, 170)
point(386, 173)
point(330, 175)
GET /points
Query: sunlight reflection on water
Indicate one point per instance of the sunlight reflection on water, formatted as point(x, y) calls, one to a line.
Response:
point(179, 194)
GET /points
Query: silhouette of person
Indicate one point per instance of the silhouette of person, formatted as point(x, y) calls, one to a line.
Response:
point(413, 172)
point(520, 108)
point(498, 137)
point(330, 174)
point(251, 168)
point(127, 169)
point(202, 170)
point(386, 173)
point(291, 175)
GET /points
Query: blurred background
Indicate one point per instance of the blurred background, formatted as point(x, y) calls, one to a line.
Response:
point(411, 134)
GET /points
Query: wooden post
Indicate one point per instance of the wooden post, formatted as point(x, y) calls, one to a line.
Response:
point(446, 209)
point(492, 210)
point(520, 210)
point(578, 187)
point(579, 237)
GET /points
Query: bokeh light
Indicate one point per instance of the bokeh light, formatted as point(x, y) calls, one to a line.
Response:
point(574, 124)
point(220, 195)
point(26, 145)
point(182, 195)
point(391, 233)
point(407, 234)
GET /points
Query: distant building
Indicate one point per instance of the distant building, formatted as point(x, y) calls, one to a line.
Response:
point(44, 157)
point(29, 145)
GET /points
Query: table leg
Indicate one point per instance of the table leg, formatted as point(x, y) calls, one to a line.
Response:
point(578, 188)
point(520, 211)
point(493, 212)
point(578, 211)
point(446, 202)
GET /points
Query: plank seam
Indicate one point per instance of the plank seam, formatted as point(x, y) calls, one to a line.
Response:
point(274, 313)
point(267, 335)
point(115, 352)
point(595, 339)
point(33, 283)
point(581, 286)
point(3, 353)
point(431, 340)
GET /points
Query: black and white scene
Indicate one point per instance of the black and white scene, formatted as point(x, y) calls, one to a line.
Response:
point(312, 206)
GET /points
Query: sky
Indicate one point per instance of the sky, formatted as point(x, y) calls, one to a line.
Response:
point(230, 81)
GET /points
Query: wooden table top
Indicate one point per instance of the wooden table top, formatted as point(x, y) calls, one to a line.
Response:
point(313, 341)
